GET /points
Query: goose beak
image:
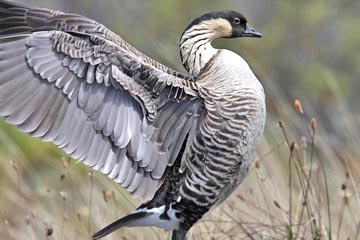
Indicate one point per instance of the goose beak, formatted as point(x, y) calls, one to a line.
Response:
point(251, 32)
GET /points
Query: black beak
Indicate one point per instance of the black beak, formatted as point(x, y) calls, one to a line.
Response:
point(251, 32)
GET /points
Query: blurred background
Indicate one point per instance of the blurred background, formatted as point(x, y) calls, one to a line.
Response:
point(310, 51)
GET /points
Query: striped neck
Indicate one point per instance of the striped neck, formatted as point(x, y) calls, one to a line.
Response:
point(195, 44)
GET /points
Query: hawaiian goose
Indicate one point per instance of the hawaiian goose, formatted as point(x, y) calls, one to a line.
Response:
point(183, 143)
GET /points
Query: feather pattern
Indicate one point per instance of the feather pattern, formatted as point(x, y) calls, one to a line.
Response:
point(185, 142)
point(69, 80)
point(217, 155)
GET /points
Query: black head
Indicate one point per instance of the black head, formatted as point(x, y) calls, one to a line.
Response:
point(235, 24)
point(240, 26)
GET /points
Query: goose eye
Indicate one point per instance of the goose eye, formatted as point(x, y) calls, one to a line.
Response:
point(237, 20)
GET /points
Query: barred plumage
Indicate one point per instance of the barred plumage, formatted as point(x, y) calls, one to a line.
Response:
point(183, 143)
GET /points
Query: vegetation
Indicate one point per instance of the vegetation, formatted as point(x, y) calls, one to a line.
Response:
point(305, 182)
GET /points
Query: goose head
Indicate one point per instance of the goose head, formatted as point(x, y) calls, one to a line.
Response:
point(195, 42)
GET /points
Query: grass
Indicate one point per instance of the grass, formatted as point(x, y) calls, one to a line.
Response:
point(306, 180)
point(304, 185)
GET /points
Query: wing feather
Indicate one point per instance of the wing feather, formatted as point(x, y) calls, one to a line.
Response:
point(83, 142)
point(130, 177)
point(110, 161)
point(124, 170)
point(38, 114)
point(69, 80)
point(20, 114)
point(44, 126)
point(9, 92)
point(136, 180)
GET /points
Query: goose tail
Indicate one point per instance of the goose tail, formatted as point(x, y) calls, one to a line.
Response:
point(143, 217)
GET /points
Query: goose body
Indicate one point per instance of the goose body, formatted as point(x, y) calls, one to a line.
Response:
point(182, 143)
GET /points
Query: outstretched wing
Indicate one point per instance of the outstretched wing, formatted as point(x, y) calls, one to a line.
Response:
point(69, 80)
point(18, 18)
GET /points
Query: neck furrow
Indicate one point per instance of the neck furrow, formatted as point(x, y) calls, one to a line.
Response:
point(196, 50)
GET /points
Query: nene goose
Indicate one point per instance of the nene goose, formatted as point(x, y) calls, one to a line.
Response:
point(182, 143)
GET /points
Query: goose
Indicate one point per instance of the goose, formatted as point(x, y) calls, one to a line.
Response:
point(181, 142)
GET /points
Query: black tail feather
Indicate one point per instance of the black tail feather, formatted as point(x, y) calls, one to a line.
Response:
point(179, 235)
point(122, 222)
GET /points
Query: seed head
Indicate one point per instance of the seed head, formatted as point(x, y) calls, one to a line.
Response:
point(298, 107)
point(49, 231)
point(313, 123)
point(107, 194)
point(64, 195)
point(292, 147)
point(241, 197)
point(277, 204)
point(64, 162)
point(346, 199)
point(257, 163)
point(296, 147)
